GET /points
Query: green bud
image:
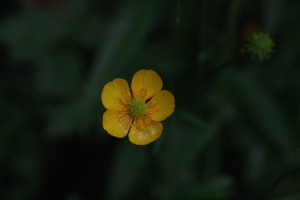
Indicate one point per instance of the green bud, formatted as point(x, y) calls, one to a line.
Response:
point(260, 45)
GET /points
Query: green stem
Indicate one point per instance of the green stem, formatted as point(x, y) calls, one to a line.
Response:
point(232, 22)
point(283, 194)
point(178, 13)
point(176, 40)
point(211, 75)
point(281, 178)
point(178, 25)
point(225, 64)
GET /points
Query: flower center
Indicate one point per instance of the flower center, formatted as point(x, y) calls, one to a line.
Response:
point(137, 108)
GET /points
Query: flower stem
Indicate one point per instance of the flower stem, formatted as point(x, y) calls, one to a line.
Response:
point(281, 178)
point(210, 75)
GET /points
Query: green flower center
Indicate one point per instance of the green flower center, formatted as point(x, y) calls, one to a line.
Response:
point(137, 108)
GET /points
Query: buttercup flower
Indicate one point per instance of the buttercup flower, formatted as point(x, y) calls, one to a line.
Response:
point(138, 112)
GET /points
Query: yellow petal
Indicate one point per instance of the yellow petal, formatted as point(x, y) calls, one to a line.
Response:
point(116, 123)
point(161, 106)
point(142, 122)
point(115, 94)
point(145, 83)
point(147, 135)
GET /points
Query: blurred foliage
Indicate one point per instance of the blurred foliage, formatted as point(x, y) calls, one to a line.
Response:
point(235, 130)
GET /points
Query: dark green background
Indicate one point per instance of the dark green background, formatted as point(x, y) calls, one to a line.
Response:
point(234, 133)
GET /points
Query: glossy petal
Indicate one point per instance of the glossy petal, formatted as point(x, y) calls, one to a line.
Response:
point(116, 123)
point(161, 106)
point(147, 135)
point(142, 122)
point(145, 83)
point(116, 94)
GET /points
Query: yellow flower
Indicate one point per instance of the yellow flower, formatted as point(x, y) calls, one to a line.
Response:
point(138, 113)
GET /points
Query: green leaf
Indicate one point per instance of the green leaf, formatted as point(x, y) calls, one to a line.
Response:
point(217, 188)
point(265, 112)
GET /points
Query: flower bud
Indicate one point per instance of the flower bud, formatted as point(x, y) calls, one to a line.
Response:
point(260, 46)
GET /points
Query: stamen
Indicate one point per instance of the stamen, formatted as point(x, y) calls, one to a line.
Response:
point(137, 108)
